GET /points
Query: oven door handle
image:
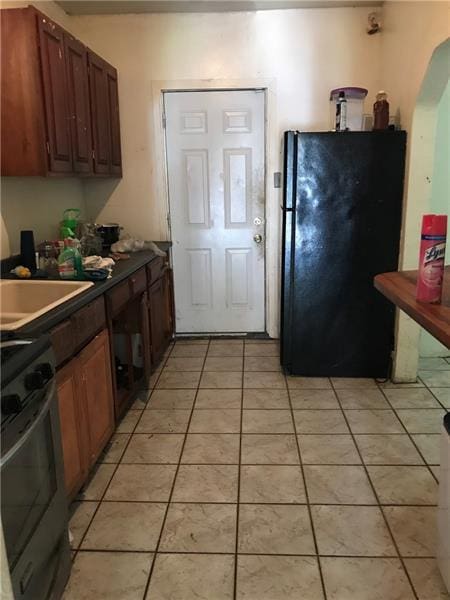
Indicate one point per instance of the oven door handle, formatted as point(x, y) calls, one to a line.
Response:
point(50, 393)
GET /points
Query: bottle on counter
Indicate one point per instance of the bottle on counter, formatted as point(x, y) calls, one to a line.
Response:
point(431, 259)
point(48, 261)
point(70, 262)
point(381, 111)
point(341, 112)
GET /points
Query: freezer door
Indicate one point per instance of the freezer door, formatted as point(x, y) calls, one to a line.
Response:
point(347, 230)
point(288, 243)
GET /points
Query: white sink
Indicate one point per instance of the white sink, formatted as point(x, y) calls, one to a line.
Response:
point(22, 301)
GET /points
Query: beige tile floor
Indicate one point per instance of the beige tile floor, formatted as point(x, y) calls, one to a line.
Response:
point(228, 480)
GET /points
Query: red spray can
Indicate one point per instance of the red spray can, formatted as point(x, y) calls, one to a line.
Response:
point(431, 258)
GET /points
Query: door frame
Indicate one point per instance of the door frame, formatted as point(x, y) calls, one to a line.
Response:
point(271, 163)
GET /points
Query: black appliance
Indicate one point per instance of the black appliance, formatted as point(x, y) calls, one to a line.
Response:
point(33, 499)
point(110, 233)
point(342, 205)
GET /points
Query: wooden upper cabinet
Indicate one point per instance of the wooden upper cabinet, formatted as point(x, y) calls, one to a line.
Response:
point(114, 121)
point(105, 116)
point(59, 104)
point(98, 89)
point(80, 115)
point(56, 102)
point(23, 127)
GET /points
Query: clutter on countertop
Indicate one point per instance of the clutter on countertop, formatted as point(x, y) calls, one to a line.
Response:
point(109, 233)
point(22, 272)
point(69, 261)
point(97, 268)
point(69, 223)
point(119, 256)
point(130, 244)
point(97, 274)
point(27, 250)
point(90, 240)
point(98, 262)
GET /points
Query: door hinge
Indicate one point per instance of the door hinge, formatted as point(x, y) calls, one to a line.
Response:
point(93, 154)
point(164, 120)
point(47, 145)
point(169, 221)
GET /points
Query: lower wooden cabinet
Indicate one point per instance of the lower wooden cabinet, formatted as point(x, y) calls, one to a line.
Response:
point(95, 369)
point(71, 420)
point(86, 409)
point(96, 386)
point(156, 305)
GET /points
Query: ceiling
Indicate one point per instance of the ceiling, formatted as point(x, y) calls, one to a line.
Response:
point(114, 7)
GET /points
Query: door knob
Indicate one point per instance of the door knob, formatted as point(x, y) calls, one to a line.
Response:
point(257, 238)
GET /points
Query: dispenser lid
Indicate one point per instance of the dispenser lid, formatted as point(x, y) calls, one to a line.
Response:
point(353, 93)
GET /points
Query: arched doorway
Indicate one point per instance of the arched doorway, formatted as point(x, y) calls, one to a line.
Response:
point(426, 145)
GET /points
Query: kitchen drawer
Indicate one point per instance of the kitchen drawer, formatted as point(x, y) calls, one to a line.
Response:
point(138, 282)
point(87, 321)
point(118, 297)
point(63, 342)
point(155, 269)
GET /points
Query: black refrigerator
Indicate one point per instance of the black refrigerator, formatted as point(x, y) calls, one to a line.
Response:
point(342, 210)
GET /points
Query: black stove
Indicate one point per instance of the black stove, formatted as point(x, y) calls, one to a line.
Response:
point(33, 498)
point(27, 366)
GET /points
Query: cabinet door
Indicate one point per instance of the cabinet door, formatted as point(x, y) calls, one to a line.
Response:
point(95, 369)
point(51, 42)
point(72, 429)
point(78, 92)
point(146, 335)
point(168, 306)
point(98, 91)
point(114, 122)
point(156, 312)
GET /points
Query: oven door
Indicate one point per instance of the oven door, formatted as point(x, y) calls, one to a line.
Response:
point(34, 509)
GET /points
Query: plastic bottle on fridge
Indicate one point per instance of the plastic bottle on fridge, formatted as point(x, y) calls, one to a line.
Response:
point(341, 112)
point(431, 258)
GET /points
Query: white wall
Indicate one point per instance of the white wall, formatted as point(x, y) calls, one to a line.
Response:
point(302, 53)
point(440, 200)
point(35, 202)
point(307, 52)
point(411, 33)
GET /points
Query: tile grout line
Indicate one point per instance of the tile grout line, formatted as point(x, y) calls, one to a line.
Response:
point(101, 499)
point(239, 464)
point(436, 398)
point(236, 548)
point(307, 464)
point(410, 435)
point(365, 504)
point(338, 556)
point(313, 530)
point(155, 552)
point(376, 495)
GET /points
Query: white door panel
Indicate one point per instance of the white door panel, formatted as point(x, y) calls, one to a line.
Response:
point(215, 159)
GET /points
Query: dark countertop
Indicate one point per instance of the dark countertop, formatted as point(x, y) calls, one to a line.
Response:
point(122, 269)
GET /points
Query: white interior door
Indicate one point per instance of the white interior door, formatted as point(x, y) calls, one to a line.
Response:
point(215, 159)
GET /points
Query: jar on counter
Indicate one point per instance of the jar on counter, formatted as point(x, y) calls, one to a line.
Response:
point(48, 260)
